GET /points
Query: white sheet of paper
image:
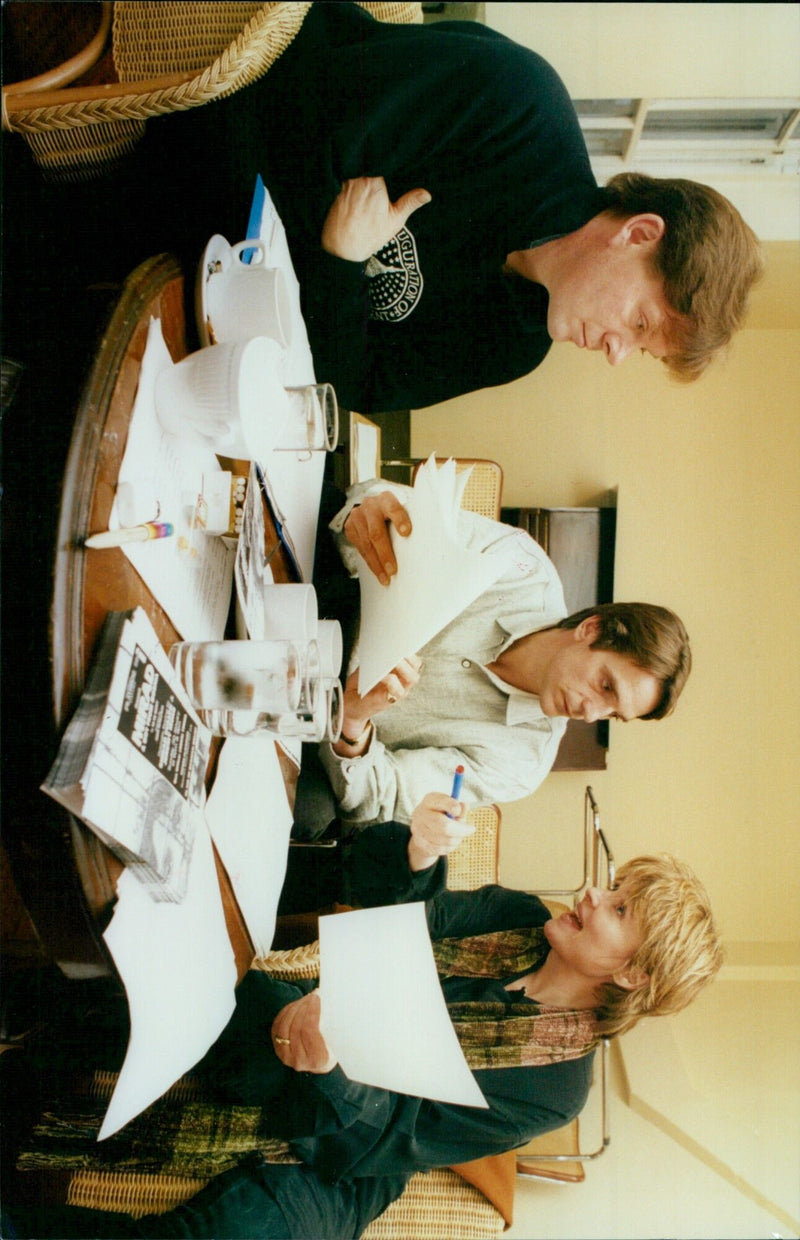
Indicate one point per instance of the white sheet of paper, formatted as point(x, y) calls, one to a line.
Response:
point(437, 577)
point(250, 820)
point(178, 968)
point(190, 573)
point(367, 463)
point(383, 1012)
point(296, 477)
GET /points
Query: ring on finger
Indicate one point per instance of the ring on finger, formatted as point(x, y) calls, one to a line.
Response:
point(390, 698)
point(283, 1041)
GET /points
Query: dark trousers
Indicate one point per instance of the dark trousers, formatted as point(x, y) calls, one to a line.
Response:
point(236, 1205)
point(337, 599)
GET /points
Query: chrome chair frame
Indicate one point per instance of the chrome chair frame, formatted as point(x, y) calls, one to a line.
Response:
point(598, 860)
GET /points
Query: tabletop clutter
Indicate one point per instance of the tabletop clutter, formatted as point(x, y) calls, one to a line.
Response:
point(230, 397)
point(201, 534)
point(133, 763)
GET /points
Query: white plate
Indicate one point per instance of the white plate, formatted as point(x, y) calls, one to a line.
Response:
point(209, 263)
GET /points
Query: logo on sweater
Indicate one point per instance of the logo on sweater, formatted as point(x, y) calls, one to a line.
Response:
point(394, 279)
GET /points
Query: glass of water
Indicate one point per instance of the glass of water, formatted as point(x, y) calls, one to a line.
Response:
point(232, 683)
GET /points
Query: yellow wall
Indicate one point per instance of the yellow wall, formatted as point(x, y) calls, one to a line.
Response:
point(709, 524)
point(661, 50)
point(708, 480)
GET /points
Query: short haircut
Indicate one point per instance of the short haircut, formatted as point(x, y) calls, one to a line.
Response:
point(680, 950)
point(708, 258)
point(652, 637)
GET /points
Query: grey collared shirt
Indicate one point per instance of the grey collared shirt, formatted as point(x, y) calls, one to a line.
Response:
point(459, 712)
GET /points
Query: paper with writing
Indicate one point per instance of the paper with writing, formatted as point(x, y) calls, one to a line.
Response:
point(383, 1012)
point(296, 477)
point(132, 761)
point(366, 451)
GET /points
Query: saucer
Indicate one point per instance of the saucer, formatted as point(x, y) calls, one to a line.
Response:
point(209, 264)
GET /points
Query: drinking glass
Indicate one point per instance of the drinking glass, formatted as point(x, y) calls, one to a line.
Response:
point(231, 682)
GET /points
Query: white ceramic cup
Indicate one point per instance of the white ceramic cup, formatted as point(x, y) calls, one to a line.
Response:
point(290, 612)
point(229, 394)
point(246, 299)
point(313, 421)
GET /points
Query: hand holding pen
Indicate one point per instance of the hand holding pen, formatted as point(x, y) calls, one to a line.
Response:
point(438, 826)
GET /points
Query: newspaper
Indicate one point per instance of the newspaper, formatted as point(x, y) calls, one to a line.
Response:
point(133, 759)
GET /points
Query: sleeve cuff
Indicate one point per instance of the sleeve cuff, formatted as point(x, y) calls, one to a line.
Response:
point(379, 869)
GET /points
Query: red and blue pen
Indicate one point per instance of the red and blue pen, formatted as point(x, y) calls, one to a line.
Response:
point(458, 779)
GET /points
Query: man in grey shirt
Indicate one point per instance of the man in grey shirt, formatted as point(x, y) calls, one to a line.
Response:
point(493, 690)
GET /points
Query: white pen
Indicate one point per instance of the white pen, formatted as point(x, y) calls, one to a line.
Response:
point(134, 533)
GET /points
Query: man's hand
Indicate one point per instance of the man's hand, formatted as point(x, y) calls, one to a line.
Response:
point(363, 218)
point(367, 529)
point(359, 710)
point(296, 1037)
point(433, 833)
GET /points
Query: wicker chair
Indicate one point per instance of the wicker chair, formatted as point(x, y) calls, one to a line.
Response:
point(167, 56)
point(484, 490)
point(436, 1205)
point(62, 1163)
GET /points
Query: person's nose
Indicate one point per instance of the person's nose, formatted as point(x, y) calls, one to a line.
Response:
point(594, 708)
point(594, 895)
point(616, 349)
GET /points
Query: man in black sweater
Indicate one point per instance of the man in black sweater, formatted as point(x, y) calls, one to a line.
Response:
point(443, 217)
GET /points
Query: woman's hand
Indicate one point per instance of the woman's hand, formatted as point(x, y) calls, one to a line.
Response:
point(367, 529)
point(433, 833)
point(296, 1037)
point(358, 711)
point(363, 218)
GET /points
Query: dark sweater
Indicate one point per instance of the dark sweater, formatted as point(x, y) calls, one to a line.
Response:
point(344, 1129)
point(485, 125)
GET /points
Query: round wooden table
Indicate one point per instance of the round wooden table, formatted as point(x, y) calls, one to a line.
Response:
point(89, 585)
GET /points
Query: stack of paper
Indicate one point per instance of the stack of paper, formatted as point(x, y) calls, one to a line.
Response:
point(437, 576)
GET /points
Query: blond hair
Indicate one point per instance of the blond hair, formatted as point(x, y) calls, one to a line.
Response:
point(680, 949)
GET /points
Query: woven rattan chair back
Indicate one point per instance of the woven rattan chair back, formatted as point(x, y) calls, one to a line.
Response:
point(474, 862)
point(168, 57)
point(484, 490)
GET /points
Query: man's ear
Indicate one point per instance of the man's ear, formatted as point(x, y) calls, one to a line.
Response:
point(630, 978)
point(640, 230)
point(588, 630)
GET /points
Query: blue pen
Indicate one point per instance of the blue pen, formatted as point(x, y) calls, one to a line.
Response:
point(458, 779)
point(254, 222)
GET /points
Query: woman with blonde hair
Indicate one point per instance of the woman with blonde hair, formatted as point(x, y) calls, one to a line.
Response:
point(529, 996)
